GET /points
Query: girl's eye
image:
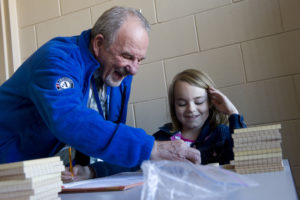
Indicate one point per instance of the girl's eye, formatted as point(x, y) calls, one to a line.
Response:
point(181, 104)
point(199, 103)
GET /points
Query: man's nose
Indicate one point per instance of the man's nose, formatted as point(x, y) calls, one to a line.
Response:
point(133, 67)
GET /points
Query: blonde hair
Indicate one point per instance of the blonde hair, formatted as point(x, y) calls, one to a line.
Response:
point(201, 80)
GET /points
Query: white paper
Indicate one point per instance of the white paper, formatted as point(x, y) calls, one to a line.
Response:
point(121, 179)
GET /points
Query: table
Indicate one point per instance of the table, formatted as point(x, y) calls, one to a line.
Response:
point(273, 185)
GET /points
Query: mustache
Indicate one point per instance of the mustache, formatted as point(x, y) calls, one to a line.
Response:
point(124, 71)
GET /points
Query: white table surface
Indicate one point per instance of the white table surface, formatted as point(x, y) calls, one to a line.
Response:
point(273, 186)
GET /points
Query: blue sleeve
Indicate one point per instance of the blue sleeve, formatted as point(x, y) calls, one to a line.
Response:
point(71, 122)
point(235, 122)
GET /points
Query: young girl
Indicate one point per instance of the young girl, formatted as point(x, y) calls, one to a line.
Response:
point(199, 115)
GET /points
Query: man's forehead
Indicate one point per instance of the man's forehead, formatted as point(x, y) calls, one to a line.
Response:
point(132, 39)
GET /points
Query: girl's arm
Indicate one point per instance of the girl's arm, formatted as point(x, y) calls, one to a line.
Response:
point(221, 102)
point(224, 105)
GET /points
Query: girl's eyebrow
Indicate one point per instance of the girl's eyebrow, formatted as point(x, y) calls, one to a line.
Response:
point(201, 97)
point(179, 99)
point(196, 98)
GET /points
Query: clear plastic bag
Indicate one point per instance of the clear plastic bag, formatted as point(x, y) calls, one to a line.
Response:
point(174, 180)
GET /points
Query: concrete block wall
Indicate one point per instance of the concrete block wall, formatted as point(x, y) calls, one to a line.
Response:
point(251, 48)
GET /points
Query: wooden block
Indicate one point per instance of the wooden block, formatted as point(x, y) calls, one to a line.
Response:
point(258, 128)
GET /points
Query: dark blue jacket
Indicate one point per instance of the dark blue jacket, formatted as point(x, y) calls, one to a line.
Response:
point(38, 117)
point(102, 169)
point(216, 146)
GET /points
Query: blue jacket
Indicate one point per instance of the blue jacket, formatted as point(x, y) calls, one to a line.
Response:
point(38, 116)
point(216, 146)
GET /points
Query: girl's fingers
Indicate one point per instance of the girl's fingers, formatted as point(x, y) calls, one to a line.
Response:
point(66, 172)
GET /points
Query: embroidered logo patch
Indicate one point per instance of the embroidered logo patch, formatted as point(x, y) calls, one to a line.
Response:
point(64, 83)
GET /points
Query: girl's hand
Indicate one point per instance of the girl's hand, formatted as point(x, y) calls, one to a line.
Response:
point(80, 173)
point(221, 102)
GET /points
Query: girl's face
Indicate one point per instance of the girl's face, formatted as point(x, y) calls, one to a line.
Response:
point(191, 105)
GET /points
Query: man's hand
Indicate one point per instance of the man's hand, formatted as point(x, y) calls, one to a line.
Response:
point(174, 150)
point(80, 173)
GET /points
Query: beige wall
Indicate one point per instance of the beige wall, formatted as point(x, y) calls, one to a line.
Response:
point(251, 48)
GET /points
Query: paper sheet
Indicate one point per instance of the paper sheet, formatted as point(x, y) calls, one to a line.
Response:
point(116, 182)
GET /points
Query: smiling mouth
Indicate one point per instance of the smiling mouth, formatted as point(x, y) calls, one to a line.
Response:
point(192, 117)
point(119, 75)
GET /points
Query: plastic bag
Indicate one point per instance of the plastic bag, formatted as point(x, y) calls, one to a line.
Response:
point(174, 180)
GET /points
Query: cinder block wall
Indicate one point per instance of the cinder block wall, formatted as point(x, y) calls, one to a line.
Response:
point(251, 48)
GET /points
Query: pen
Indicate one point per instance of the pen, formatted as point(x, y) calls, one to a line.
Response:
point(70, 161)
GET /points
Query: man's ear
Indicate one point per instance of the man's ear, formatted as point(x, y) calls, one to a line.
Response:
point(97, 43)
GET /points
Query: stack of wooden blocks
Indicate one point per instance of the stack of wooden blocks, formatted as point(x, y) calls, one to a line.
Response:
point(257, 149)
point(31, 180)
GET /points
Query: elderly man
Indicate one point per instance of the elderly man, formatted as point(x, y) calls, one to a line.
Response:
point(75, 91)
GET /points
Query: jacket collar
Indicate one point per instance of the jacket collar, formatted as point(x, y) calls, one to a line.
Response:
point(84, 42)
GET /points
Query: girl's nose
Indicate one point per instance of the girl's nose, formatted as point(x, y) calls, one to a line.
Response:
point(191, 107)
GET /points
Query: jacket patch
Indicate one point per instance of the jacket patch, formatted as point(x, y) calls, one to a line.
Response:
point(64, 83)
